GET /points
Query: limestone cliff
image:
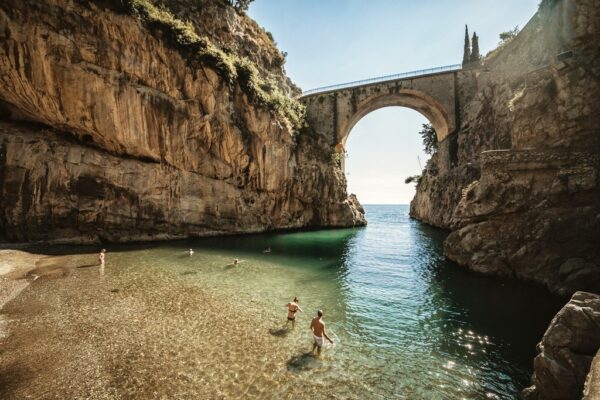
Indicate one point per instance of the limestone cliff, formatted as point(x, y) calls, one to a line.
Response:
point(121, 121)
point(522, 191)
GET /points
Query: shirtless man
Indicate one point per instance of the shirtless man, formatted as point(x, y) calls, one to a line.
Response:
point(318, 329)
point(293, 308)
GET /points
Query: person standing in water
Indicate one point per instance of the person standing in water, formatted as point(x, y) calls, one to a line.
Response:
point(318, 329)
point(191, 252)
point(101, 257)
point(293, 308)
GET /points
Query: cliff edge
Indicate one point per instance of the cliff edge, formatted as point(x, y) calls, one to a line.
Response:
point(127, 120)
point(518, 183)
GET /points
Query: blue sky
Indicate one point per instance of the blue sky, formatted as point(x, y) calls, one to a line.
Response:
point(336, 41)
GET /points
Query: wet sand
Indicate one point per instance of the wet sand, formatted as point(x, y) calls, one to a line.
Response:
point(141, 339)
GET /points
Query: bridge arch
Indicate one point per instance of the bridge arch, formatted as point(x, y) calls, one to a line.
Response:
point(332, 111)
point(417, 100)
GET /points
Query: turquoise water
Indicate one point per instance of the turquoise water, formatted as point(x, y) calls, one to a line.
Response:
point(406, 322)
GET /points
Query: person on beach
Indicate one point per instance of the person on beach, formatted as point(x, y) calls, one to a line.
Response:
point(293, 308)
point(236, 261)
point(101, 257)
point(318, 329)
point(191, 252)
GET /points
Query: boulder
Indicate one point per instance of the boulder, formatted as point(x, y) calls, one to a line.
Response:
point(567, 350)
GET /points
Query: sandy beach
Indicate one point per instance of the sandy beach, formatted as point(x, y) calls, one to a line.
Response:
point(71, 331)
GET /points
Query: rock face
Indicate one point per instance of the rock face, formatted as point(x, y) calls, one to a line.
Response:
point(522, 194)
point(109, 133)
point(566, 351)
point(591, 390)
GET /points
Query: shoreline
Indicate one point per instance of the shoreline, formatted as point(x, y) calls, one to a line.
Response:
point(161, 318)
point(14, 267)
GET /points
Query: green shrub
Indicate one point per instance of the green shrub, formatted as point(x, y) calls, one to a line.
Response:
point(230, 66)
point(336, 158)
point(415, 178)
point(429, 136)
point(266, 93)
point(506, 37)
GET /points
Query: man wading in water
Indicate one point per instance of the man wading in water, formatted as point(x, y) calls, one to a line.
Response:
point(318, 329)
point(293, 308)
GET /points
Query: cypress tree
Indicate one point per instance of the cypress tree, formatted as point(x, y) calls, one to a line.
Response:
point(475, 56)
point(467, 51)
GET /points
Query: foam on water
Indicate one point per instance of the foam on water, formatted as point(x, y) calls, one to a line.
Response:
point(158, 323)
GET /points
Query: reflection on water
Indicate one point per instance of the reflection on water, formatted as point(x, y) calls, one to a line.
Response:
point(156, 322)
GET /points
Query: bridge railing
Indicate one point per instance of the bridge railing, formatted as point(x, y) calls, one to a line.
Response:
point(445, 68)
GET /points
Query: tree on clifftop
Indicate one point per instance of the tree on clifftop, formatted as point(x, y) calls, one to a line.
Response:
point(467, 51)
point(507, 36)
point(429, 138)
point(475, 56)
point(240, 5)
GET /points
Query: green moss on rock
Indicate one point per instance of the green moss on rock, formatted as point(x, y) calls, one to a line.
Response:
point(262, 91)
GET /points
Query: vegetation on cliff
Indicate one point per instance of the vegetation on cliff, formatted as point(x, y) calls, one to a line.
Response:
point(230, 66)
point(240, 5)
point(429, 136)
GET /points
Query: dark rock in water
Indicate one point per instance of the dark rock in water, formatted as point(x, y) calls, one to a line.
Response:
point(280, 332)
point(302, 362)
point(566, 350)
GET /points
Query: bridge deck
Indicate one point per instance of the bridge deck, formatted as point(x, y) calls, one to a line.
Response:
point(403, 75)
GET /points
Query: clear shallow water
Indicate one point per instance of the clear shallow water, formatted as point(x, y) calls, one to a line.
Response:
point(159, 324)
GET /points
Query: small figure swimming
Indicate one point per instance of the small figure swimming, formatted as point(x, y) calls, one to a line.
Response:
point(191, 252)
point(267, 250)
point(236, 261)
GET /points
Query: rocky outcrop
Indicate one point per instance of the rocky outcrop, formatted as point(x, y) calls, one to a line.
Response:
point(522, 192)
point(437, 192)
point(532, 215)
point(566, 351)
point(109, 132)
point(591, 390)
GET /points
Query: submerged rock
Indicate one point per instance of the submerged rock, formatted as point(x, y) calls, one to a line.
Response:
point(566, 351)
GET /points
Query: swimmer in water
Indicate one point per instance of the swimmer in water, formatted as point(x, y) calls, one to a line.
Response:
point(267, 250)
point(191, 252)
point(293, 308)
point(101, 257)
point(236, 261)
point(318, 329)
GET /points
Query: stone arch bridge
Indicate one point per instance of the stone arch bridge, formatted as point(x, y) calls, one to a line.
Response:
point(332, 111)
